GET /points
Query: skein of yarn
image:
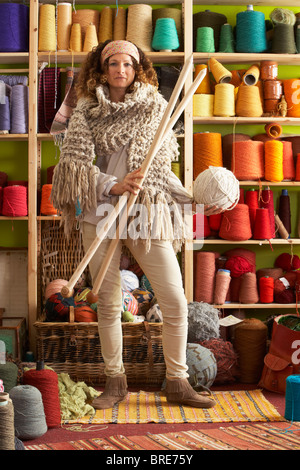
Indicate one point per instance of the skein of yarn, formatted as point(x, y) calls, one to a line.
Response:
point(267, 201)
point(204, 86)
point(248, 103)
point(262, 228)
point(227, 147)
point(248, 289)
point(204, 276)
point(207, 151)
point(46, 381)
point(47, 25)
point(289, 170)
point(30, 420)
point(252, 203)
point(222, 286)
point(250, 340)
point(248, 160)
point(274, 160)
point(9, 375)
point(14, 201)
point(251, 31)
point(7, 430)
point(284, 210)
point(266, 290)
point(139, 26)
point(224, 102)
point(235, 224)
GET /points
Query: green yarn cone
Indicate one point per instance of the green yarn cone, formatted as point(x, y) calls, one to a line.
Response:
point(226, 39)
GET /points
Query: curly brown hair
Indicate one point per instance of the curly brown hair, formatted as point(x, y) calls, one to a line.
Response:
point(92, 72)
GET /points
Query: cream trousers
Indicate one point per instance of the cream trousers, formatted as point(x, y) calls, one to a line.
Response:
point(161, 267)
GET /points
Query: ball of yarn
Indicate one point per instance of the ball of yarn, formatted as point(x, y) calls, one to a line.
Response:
point(287, 296)
point(127, 316)
point(226, 358)
point(57, 308)
point(9, 375)
point(46, 381)
point(154, 314)
point(287, 262)
point(217, 186)
point(129, 302)
point(30, 420)
point(129, 280)
point(202, 365)
point(145, 284)
point(84, 313)
point(54, 287)
point(143, 298)
point(238, 265)
point(250, 342)
point(249, 255)
point(203, 321)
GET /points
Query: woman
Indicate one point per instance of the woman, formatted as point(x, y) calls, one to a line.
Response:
point(118, 112)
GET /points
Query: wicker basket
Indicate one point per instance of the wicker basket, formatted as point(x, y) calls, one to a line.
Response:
point(75, 348)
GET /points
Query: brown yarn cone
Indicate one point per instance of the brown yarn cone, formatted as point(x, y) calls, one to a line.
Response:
point(250, 341)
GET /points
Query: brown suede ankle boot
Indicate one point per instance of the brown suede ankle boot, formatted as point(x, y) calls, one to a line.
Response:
point(180, 392)
point(115, 390)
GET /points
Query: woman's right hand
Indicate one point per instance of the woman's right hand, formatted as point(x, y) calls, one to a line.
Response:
point(129, 183)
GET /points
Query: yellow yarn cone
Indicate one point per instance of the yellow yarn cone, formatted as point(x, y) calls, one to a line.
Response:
point(76, 38)
point(91, 39)
point(220, 73)
point(106, 25)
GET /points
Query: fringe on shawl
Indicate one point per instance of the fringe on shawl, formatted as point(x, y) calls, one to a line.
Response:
point(74, 187)
point(164, 220)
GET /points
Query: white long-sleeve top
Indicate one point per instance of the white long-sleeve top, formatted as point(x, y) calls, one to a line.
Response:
point(113, 169)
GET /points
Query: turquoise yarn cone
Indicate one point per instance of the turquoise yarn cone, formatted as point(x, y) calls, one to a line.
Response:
point(251, 32)
point(165, 35)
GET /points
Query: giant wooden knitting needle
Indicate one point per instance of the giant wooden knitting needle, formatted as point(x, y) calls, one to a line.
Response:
point(166, 122)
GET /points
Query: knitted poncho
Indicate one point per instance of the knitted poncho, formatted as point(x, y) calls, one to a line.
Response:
point(101, 127)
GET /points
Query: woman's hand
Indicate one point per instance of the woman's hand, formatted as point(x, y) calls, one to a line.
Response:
point(130, 183)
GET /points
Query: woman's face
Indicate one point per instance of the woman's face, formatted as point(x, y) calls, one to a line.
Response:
point(120, 73)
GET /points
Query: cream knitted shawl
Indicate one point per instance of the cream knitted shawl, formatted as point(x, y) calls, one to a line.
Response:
point(100, 127)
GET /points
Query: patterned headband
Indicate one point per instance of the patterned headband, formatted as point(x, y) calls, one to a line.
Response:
point(120, 47)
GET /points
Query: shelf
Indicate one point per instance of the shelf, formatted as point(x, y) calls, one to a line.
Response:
point(48, 217)
point(79, 57)
point(295, 184)
point(258, 305)
point(3, 217)
point(14, 137)
point(14, 58)
point(243, 57)
point(274, 241)
point(285, 121)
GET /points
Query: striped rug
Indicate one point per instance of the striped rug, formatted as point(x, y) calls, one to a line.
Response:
point(253, 436)
point(152, 407)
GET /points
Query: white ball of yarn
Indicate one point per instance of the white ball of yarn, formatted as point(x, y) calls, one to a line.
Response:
point(217, 187)
point(129, 280)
